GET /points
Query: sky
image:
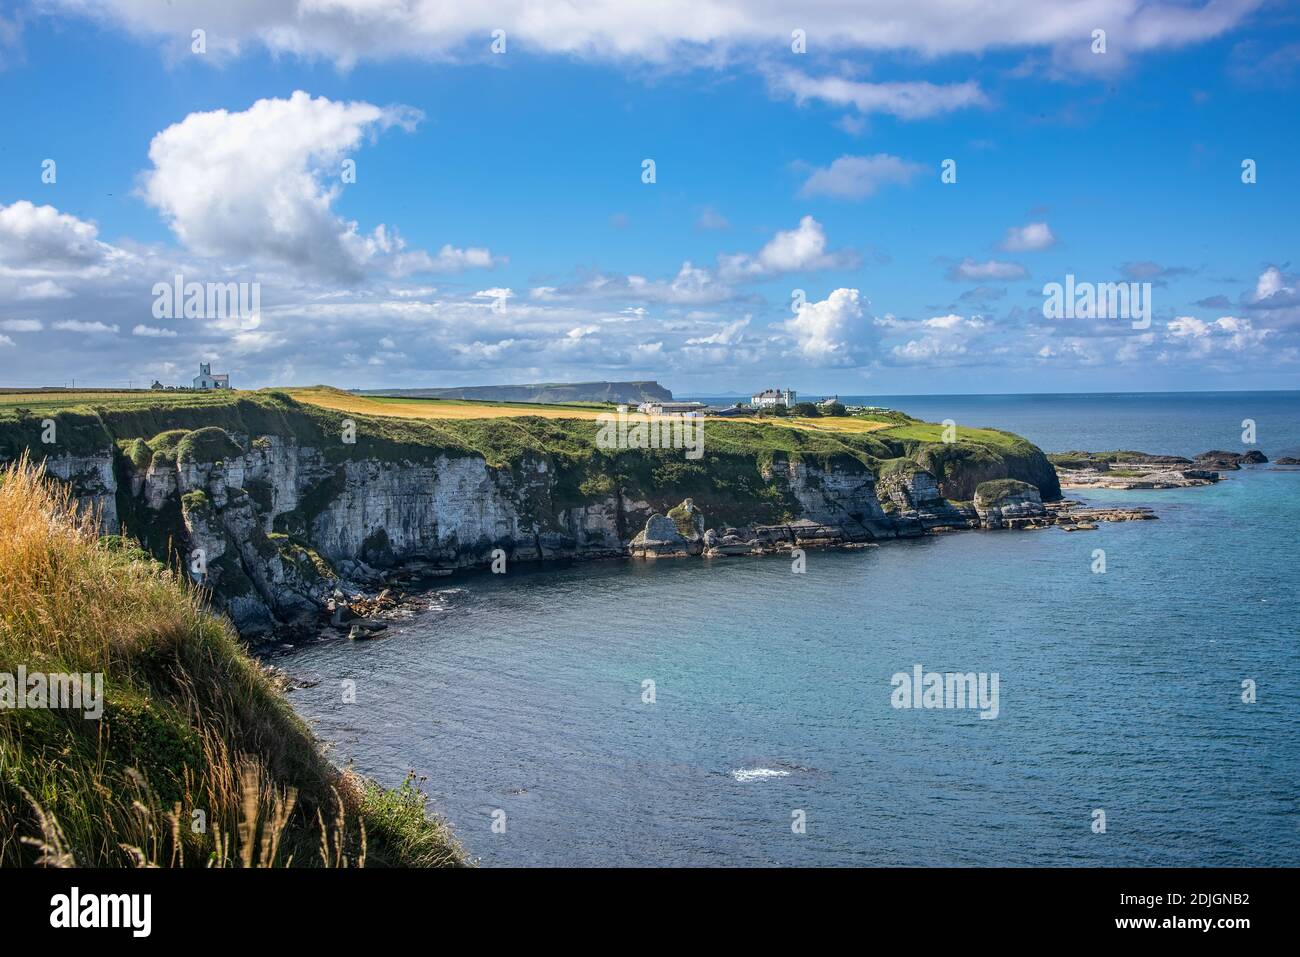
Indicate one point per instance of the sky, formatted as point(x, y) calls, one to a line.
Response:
point(723, 195)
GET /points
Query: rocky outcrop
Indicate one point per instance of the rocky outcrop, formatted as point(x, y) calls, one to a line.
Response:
point(1229, 461)
point(915, 503)
point(1128, 470)
point(92, 480)
point(1008, 503)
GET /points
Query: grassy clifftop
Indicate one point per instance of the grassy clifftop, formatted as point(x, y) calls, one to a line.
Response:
point(197, 759)
point(729, 482)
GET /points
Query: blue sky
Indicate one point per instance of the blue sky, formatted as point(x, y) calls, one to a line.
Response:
point(498, 228)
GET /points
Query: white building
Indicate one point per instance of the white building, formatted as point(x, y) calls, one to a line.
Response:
point(206, 380)
point(771, 398)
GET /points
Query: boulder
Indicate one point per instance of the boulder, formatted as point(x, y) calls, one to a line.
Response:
point(364, 629)
point(678, 534)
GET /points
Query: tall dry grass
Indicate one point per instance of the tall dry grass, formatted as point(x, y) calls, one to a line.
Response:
point(197, 760)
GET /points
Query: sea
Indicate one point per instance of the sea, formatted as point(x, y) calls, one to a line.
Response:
point(742, 712)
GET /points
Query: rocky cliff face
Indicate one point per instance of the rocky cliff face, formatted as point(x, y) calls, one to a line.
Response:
point(279, 521)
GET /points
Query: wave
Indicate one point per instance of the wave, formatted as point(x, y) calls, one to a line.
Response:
point(758, 774)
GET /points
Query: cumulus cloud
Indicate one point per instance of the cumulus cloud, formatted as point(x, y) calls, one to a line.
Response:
point(1272, 290)
point(40, 240)
point(1227, 334)
point(820, 329)
point(790, 250)
point(1028, 238)
point(260, 185)
point(857, 177)
point(968, 270)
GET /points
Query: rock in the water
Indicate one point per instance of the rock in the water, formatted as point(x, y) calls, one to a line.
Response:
point(1135, 470)
point(678, 534)
point(1007, 503)
point(364, 629)
point(1229, 461)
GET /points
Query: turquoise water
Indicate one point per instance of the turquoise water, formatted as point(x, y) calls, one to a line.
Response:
point(1120, 691)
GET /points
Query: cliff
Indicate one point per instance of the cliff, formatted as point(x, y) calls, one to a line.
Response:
point(266, 502)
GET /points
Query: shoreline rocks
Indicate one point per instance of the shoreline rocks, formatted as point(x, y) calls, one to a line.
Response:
point(1128, 470)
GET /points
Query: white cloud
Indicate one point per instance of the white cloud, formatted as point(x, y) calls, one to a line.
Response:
point(790, 250)
point(1270, 282)
point(40, 240)
point(22, 325)
point(908, 101)
point(451, 259)
point(821, 328)
point(1028, 238)
point(857, 177)
point(971, 271)
point(45, 289)
point(348, 30)
point(1188, 327)
point(928, 348)
point(730, 334)
point(1225, 334)
point(77, 325)
point(154, 332)
point(260, 185)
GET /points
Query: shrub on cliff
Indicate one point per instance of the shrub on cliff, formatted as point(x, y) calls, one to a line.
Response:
point(196, 758)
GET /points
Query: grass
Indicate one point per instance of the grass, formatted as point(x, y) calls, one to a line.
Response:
point(193, 730)
point(407, 408)
point(927, 432)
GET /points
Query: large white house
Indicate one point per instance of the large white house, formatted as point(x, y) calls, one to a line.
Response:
point(206, 380)
point(771, 398)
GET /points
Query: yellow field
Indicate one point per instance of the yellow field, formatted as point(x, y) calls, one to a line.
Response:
point(438, 408)
point(463, 409)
